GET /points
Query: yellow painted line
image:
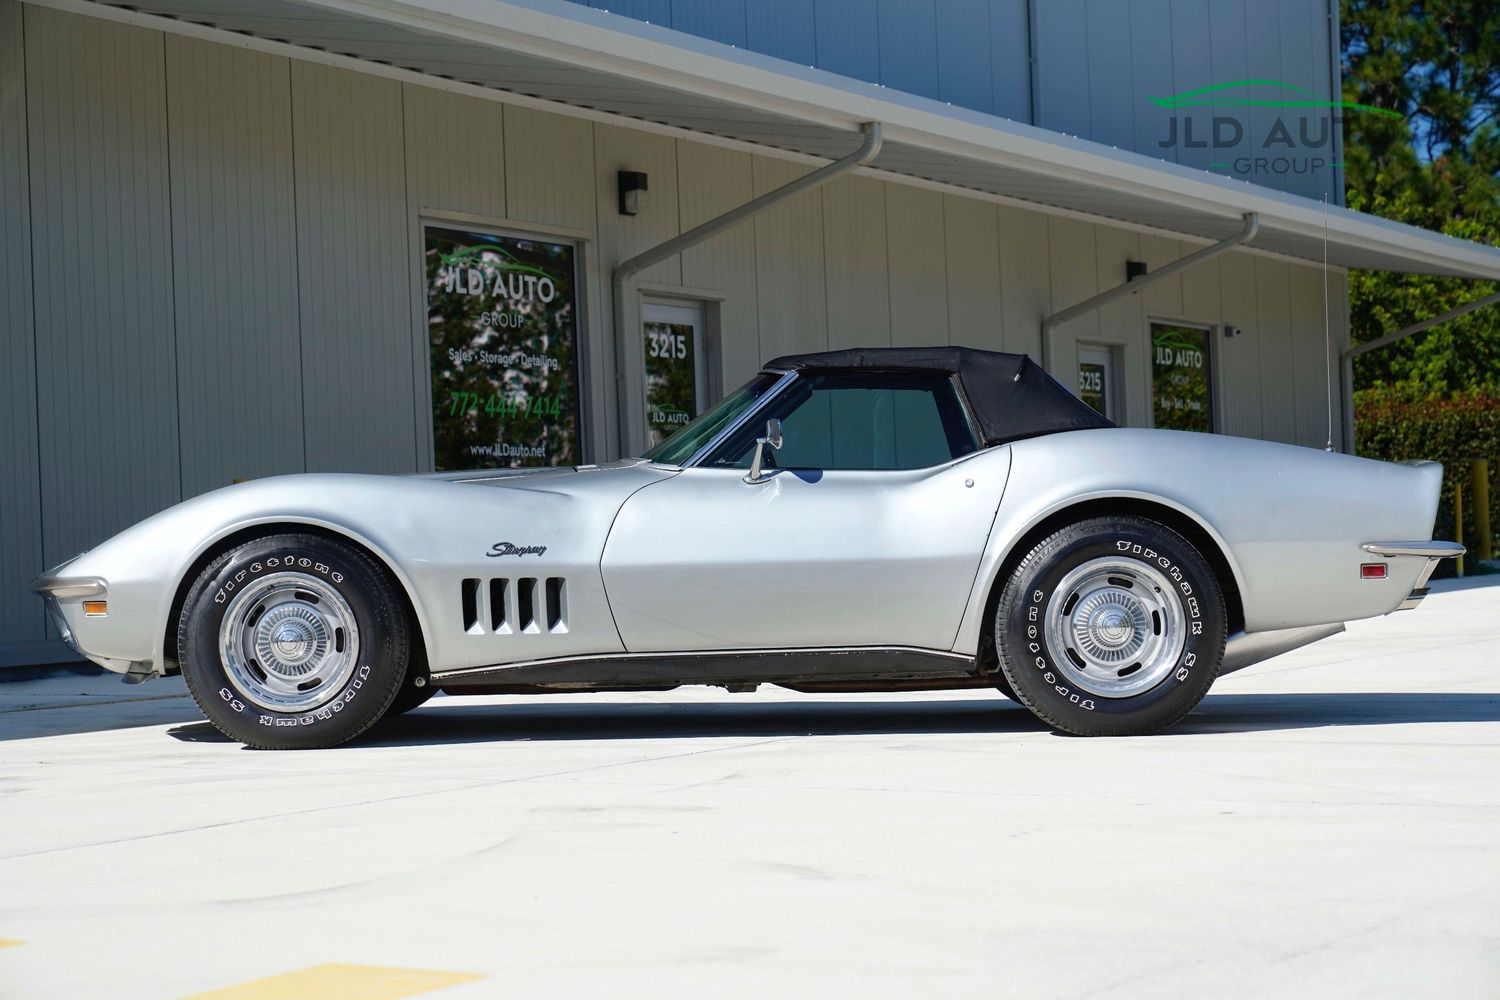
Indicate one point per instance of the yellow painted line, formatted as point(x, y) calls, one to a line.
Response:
point(340, 982)
point(7, 943)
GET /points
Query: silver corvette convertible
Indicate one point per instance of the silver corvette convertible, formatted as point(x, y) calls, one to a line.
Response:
point(867, 520)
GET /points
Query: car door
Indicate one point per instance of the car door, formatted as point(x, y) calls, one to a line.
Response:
point(867, 530)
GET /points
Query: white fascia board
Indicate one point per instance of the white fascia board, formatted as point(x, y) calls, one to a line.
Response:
point(574, 34)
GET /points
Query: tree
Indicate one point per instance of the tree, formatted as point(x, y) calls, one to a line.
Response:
point(1437, 62)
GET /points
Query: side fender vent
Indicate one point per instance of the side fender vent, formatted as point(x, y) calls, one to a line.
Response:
point(471, 607)
point(557, 604)
point(525, 605)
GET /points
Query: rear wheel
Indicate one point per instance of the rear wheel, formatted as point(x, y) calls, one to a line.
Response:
point(293, 641)
point(1113, 626)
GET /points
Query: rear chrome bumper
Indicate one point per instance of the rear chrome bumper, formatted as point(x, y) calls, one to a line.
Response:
point(1433, 551)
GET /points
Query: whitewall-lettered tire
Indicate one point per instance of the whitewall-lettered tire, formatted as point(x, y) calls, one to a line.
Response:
point(1113, 626)
point(293, 641)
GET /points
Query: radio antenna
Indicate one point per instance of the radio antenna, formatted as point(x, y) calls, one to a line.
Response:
point(1327, 328)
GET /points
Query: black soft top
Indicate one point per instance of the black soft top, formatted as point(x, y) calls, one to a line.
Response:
point(1010, 396)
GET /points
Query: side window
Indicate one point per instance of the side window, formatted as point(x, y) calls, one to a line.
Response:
point(862, 420)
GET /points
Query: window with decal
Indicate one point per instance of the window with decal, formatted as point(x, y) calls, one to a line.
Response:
point(502, 316)
point(1182, 391)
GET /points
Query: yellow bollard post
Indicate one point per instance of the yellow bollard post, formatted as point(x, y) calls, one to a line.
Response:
point(1484, 542)
point(1458, 522)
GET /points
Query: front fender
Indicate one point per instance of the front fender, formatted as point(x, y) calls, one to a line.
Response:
point(431, 533)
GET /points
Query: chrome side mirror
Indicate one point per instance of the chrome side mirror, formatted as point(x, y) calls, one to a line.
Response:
point(772, 438)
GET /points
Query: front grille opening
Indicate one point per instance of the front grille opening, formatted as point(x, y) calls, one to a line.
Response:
point(499, 618)
point(526, 604)
point(557, 608)
point(471, 607)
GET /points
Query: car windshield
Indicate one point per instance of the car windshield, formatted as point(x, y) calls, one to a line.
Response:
point(688, 441)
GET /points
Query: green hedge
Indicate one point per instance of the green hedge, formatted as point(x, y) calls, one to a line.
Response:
point(1397, 422)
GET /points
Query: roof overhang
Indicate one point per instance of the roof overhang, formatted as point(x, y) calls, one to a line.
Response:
point(574, 57)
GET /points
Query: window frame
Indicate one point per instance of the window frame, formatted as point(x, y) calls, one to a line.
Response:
point(790, 378)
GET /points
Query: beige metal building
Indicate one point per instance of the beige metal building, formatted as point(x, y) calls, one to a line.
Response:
point(222, 256)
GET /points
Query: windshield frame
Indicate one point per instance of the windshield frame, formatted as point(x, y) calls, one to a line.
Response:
point(783, 379)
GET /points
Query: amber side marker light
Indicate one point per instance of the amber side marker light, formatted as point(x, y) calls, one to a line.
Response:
point(1367, 571)
point(96, 609)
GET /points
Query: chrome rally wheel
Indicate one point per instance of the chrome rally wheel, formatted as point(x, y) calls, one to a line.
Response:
point(289, 643)
point(1111, 626)
point(1115, 627)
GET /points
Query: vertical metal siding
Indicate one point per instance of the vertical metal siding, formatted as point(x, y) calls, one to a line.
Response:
point(973, 285)
point(1239, 357)
point(721, 20)
point(789, 265)
point(1074, 276)
point(624, 236)
point(1192, 66)
point(549, 169)
point(1025, 278)
point(963, 54)
point(848, 38)
point(916, 255)
point(1304, 63)
point(1164, 298)
point(1112, 93)
point(1062, 77)
point(455, 152)
point(101, 259)
point(354, 266)
point(1262, 21)
point(1124, 324)
point(1229, 55)
point(711, 181)
point(858, 284)
point(1310, 361)
point(1273, 336)
point(782, 28)
point(21, 617)
point(908, 46)
point(1010, 59)
point(1151, 74)
point(234, 260)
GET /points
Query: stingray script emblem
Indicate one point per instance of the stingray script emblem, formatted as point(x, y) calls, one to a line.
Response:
point(511, 549)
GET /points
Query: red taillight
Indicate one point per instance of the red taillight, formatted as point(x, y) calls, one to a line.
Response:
point(1372, 571)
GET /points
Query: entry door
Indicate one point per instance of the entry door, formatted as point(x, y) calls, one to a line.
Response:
point(866, 529)
point(1096, 380)
point(676, 367)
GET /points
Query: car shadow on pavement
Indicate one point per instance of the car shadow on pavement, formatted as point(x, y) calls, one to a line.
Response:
point(1240, 713)
point(438, 724)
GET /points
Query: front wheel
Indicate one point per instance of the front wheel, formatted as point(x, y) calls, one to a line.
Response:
point(1113, 626)
point(293, 641)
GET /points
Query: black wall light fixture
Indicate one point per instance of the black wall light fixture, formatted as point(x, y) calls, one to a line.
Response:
point(1134, 269)
point(632, 191)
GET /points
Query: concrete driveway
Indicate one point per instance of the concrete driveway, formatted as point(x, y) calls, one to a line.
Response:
point(1325, 824)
